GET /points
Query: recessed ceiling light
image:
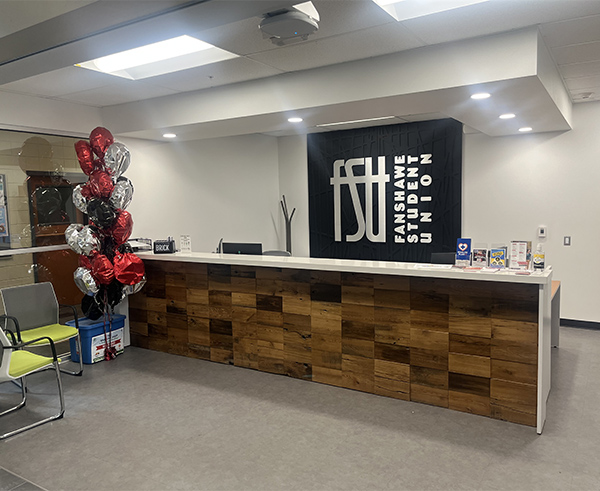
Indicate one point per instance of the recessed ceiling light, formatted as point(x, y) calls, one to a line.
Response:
point(525, 129)
point(295, 120)
point(507, 116)
point(410, 9)
point(168, 56)
point(354, 121)
point(169, 135)
point(480, 95)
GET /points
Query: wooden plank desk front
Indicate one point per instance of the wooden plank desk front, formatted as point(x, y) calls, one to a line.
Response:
point(468, 341)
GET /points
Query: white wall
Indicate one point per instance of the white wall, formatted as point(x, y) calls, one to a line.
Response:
point(514, 184)
point(224, 187)
point(293, 183)
point(511, 185)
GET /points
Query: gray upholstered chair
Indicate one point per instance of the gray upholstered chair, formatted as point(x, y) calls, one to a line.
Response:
point(36, 311)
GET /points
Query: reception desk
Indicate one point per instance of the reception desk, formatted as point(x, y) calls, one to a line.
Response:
point(464, 340)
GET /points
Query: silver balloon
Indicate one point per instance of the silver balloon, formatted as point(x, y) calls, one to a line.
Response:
point(87, 241)
point(72, 236)
point(131, 289)
point(116, 160)
point(78, 199)
point(122, 194)
point(85, 281)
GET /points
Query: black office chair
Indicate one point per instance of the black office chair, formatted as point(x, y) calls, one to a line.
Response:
point(443, 257)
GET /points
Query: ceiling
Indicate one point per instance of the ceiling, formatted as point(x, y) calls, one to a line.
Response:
point(40, 41)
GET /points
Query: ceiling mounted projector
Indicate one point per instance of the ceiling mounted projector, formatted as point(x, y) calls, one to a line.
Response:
point(288, 25)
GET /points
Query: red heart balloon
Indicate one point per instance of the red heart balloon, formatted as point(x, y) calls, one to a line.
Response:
point(85, 262)
point(122, 227)
point(100, 140)
point(86, 191)
point(85, 156)
point(101, 184)
point(129, 268)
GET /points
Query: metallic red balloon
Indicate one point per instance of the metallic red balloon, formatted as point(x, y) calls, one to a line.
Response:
point(84, 262)
point(101, 184)
point(86, 191)
point(122, 227)
point(102, 269)
point(85, 156)
point(100, 140)
point(129, 269)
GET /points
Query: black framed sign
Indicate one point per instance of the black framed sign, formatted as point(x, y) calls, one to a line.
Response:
point(388, 193)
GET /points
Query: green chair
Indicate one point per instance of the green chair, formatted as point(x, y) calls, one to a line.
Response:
point(37, 310)
point(16, 363)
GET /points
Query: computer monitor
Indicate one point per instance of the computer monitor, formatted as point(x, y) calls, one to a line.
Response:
point(242, 248)
point(443, 257)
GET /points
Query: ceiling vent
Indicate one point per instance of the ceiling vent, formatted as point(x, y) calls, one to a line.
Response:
point(289, 26)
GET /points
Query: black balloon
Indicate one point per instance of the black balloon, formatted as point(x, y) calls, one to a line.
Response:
point(101, 213)
point(90, 308)
point(125, 248)
point(110, 295)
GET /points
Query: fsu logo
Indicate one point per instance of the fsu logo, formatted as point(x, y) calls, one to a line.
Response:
point(364, 218)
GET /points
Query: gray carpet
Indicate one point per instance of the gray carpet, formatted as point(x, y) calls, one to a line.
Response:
point(153, 421)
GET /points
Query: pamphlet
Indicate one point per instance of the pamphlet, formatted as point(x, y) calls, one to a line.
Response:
point(463, 252)
point(185, 243)
point(498, 258)
point(480, 257)
point(520, 255)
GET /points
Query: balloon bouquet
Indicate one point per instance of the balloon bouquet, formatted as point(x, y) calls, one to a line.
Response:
point(108, 270)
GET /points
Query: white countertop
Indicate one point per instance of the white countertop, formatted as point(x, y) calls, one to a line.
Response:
point(352, 266)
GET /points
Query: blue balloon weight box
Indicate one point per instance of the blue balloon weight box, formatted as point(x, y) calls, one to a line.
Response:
point(92, 338)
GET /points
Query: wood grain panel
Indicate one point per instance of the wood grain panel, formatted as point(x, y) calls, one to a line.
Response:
point(392, 299)
point(459, 382)
point(469, 403)
point(357, 295)
point(326, 375)
point(514, 372)
point(429, 358)
point(430, 321)
point(470, 345)
point(429, 377)
point(514, 395)
point(429, 340)
point(429, 395)
point(392, 379)
point(509, 414)
point(480, 366)
point(470, 325)
point(358, 372)
point(386, 282)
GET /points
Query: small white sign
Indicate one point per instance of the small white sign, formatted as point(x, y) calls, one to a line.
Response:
point(185, 243)
point(99, 343)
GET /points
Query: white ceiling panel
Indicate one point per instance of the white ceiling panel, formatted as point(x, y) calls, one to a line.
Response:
point(356, 45)
point(586, 95)
point(118, 92)
point(230, 71)
point(580, 69)
point(60, 82)
point(337, 17)
point(577, 53)
point(583, 82)
point(575, 31)
point(496, 16)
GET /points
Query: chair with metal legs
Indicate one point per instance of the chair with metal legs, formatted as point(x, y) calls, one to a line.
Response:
point(37, 310)
point(16, 363)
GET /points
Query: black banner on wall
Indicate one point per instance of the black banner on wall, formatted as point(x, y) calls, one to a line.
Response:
point(385, 193)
